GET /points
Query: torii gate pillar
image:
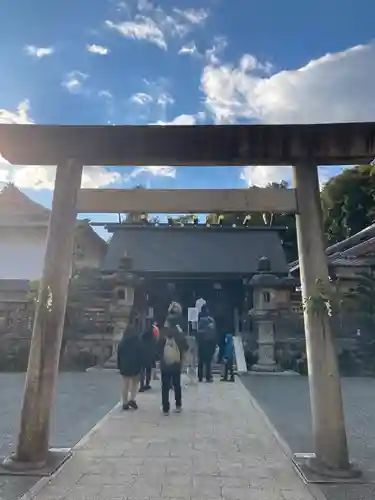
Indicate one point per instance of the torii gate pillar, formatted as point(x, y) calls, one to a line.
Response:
point(33, 440)
point(328, 425)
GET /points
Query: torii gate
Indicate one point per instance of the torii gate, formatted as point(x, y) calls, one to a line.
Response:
point(72, 147)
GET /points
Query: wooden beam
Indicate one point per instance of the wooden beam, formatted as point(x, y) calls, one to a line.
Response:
point(33, 439)
point(321, 144)
point(172, 201)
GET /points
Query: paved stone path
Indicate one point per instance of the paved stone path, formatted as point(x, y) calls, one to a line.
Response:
point(219, 448)
point(285, 400)
point(81, 400)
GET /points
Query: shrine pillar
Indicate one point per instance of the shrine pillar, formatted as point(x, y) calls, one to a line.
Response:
point(328, 424)
point(33, 440)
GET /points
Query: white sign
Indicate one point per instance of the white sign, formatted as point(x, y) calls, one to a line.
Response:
point(193, 314)
point(199, 304)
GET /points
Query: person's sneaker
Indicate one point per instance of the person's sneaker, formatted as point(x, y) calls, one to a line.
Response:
point(223, 379)
point(142, 389)
point(148, 387)
point(165, 412)
point(133, 405)
point(125, 406)
point(178, 409)
point(232, 379)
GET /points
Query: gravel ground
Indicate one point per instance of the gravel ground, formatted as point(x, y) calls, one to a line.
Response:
point(286, 402)
point(82, 399)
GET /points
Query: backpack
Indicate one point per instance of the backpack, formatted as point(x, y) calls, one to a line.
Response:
point(171, 354)
point(206, 328)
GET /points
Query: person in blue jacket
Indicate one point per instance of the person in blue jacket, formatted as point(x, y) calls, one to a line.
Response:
point(228, 358)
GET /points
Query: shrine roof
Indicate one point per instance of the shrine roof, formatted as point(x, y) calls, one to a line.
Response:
point(18, 210)
point(194, 251)
point(353, 251)
point(320, 143)
point(15, 285)
point(14, 203)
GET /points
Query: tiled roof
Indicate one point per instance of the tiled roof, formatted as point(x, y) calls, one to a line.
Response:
point(15, 203)
point(195, 250)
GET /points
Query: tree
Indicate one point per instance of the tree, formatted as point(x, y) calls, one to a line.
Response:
point(286, 221)
point(348, 202)
point(183, 219)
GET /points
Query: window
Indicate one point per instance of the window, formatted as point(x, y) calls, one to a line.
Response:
point(266, 296)
point(121, 294)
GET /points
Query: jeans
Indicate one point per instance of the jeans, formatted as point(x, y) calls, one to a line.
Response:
point(205, 353)
point(204, 369)
point(169, 378)
point(146, 376)
point(228, 369)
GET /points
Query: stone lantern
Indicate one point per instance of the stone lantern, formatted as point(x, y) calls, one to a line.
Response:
point(265, 310)
point(124, 283)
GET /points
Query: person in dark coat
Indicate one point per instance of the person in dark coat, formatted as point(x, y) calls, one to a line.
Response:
point(129, 363)
point(172, 347)
point(148, 342)
point(206, 340)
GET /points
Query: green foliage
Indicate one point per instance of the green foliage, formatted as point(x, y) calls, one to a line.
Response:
point(183, 219)
point(320, 303)
point(348, 202)
point(287, 221)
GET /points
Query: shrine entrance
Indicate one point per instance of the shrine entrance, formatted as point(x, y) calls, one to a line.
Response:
point(71, 147)
point(223, 298)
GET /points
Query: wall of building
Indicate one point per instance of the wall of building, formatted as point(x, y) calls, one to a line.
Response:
point(22, 252)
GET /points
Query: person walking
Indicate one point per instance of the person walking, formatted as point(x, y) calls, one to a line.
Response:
point(172, 348)
point(228, 357)
point(148, 343)
point(206, 340)
point(129, 363)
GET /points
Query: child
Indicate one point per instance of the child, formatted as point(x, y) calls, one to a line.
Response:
point(228, 358)
point(172, 347)
point(129, 362)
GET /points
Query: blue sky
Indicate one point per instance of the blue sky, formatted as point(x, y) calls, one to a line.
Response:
point(182, 61)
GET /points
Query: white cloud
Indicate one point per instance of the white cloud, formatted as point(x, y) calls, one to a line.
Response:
point(141, 98)
point(189, 49)
point(213, 54)
point(142, 28)
point(20, 116)
point(180, 120)
point(164, 99)
point(39, 52)
point(193, 16)
point(105, 93)
point(334, 88)
point(97, 49)
point(162, 171)
point(74, 81)
point(147, 21)
point(43, 177)
point(259, 175)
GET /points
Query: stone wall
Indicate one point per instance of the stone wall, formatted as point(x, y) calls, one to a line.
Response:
point(88, 331)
